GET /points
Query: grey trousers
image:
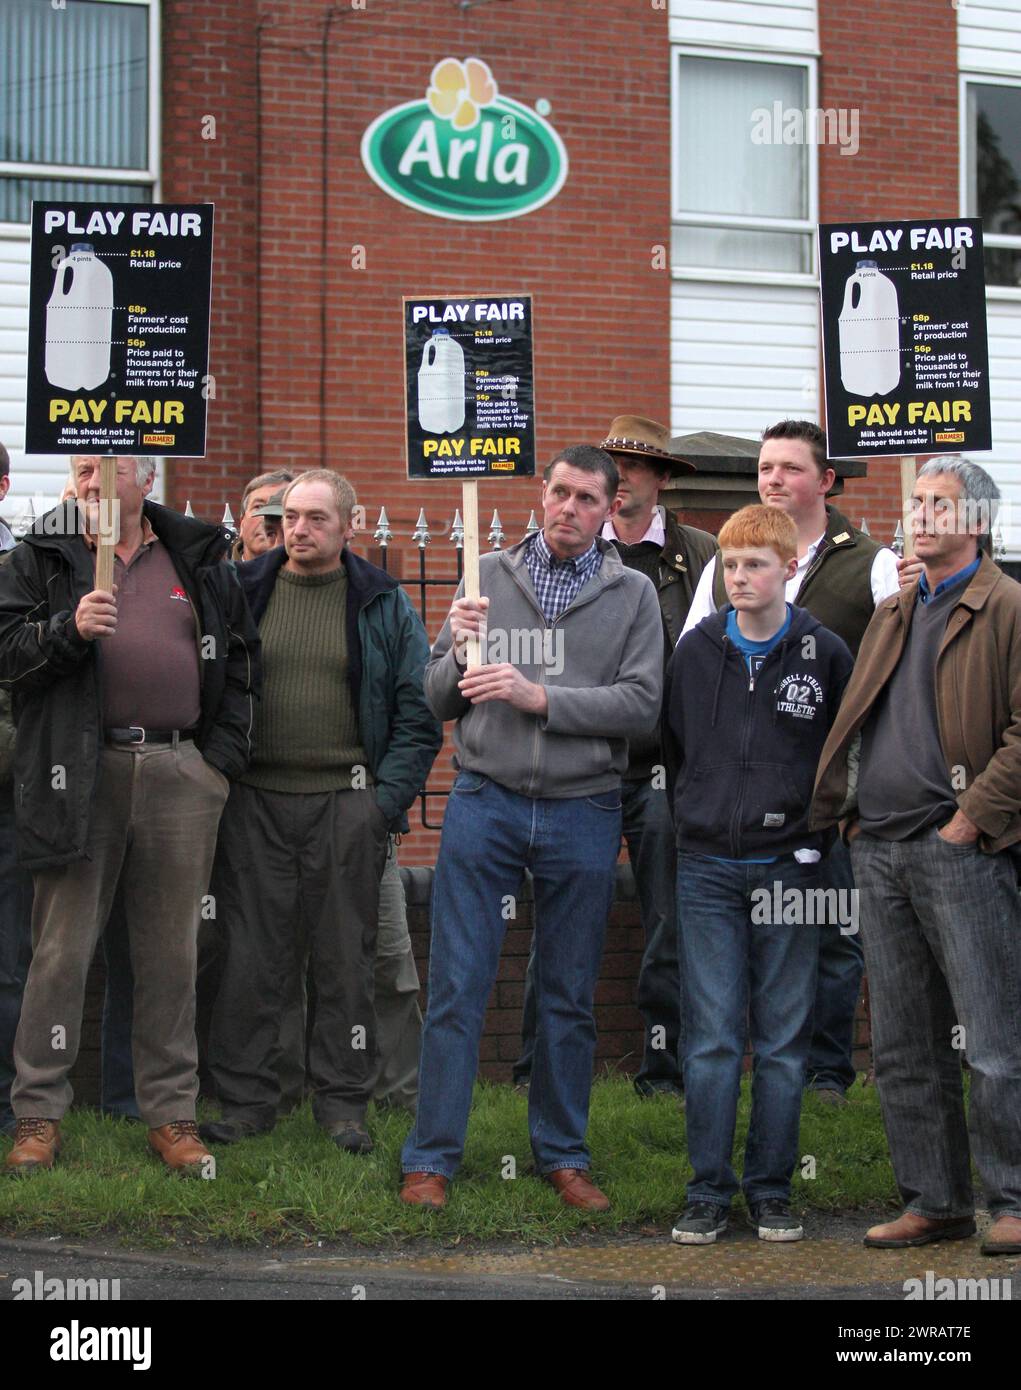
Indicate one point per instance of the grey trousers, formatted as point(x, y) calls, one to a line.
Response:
point(153, 829)
point(941, 928)
point(290, 864)
point(398, 1016)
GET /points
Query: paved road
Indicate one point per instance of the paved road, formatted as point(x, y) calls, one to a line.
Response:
point(829, 1265)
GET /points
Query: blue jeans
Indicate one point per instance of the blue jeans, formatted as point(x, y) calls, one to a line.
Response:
point(941, 925)
point(652, 851)
point(490, 835)
point(830, 1065)
point(744, 971)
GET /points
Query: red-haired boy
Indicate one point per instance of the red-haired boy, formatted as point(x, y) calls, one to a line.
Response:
point(750, 696)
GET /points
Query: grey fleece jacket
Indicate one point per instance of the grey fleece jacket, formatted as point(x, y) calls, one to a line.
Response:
point(601, 662)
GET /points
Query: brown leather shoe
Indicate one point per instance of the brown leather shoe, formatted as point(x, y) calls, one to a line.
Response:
point(179, 1146)
point(424, 1190)
point(36, 1145)
point(911, 1229)
point(577, 1189)
point(1003, 1237)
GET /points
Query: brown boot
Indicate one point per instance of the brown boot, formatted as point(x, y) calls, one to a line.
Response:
point(912, 1229)
point(577, 1189)
point(36, 1145)
point(179, 1146)
point(1003, 1237)
point(424, 1190)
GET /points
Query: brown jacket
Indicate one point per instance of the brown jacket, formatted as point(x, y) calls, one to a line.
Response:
point(978, 703)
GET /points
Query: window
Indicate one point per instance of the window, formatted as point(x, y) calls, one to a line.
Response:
point(992, 172)
point(744, 182)
point(76, 103)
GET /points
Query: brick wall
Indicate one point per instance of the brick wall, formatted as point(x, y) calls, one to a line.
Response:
point(306, 350)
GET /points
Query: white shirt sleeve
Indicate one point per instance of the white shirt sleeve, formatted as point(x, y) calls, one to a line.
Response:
point(702, 604)
point(884, 578)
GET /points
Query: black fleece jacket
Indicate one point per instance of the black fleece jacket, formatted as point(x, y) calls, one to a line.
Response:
point(741, 754)
point(55, 677)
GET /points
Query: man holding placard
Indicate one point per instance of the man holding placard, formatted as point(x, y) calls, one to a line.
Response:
point(541, 744)
point(134, 708)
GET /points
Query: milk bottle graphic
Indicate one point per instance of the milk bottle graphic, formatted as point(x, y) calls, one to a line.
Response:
point(869, 333)
point(441, 385)
point(79, 320)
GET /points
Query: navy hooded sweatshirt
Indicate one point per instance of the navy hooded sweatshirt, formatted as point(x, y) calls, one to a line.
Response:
point(741, 751)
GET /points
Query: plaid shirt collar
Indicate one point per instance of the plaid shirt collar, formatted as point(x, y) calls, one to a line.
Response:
point(557, 583)
point(578, 564)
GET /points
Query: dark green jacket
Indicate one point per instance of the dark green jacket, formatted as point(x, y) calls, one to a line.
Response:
point(387, 652)
point(684, 556)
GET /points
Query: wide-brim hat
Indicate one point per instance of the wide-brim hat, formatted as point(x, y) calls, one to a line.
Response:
point(635, 437)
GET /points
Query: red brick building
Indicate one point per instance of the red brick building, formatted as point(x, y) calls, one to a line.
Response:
point(673, 273)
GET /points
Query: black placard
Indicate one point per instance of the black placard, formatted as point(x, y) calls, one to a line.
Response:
point(904, 337)
point(469, 388)
point(118, 335)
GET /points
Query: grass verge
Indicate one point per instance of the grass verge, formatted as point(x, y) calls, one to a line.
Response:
point(295, 1186)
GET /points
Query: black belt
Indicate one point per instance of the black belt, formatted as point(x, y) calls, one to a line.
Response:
point(137, 735)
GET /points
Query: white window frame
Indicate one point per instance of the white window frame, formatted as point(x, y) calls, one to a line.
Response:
point(965, 171)
point(149, 177)
point(806, 226)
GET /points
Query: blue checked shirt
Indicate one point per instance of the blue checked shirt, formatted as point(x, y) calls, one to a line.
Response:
point(557, 583)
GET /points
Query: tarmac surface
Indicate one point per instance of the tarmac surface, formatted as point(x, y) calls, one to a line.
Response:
point(830, 1264)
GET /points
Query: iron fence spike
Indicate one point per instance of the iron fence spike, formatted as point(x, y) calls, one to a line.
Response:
point(383, 534)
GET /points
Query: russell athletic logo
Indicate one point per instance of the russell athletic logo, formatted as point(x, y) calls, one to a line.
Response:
point(464, 151)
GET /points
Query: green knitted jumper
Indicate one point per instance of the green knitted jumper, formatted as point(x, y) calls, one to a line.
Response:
point(306, 727)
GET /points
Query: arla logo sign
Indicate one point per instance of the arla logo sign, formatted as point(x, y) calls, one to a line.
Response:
point(465, 151)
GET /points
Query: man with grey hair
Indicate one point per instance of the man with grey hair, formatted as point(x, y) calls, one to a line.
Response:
point(934, 825)
point(134, 708)
point(344, 741)
point(254, 536)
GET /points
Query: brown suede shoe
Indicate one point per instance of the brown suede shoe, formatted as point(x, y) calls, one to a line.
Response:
point(576, 1188)
point(36, 1145)
point(911, 1229)
point(424, 1190)
point(1003, 1237)
point(179, 1146)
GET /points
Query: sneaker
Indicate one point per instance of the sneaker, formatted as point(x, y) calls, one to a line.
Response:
point(352, 1137)
point(701, 1223)
point(773, 1221)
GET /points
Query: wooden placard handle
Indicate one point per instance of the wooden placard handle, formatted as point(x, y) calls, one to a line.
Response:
point(109, 531)
point(907, 487)
point(470, 511)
